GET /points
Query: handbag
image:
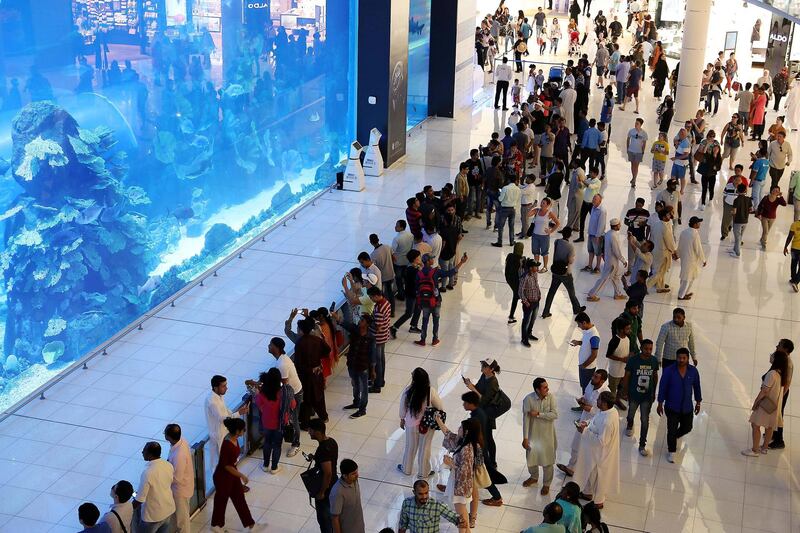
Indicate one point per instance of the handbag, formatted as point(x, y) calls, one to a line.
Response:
point(428, 421)
point(768, 404)
point(288, 433)
point(481, 477)
point(312, 479)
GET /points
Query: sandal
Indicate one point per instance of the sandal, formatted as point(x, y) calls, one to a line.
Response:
point(472, 521)
point(542, 271)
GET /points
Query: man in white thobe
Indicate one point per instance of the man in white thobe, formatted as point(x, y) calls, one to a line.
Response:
point(216, 413)
point(692, 257)
point(664, 248)
point(539, 413)
point(588, 405)
point(597, 470)
point(568, 97)
point(614, 264)
point(180, 457)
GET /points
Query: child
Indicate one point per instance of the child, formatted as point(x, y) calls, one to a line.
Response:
point(644, 255)
point(543, 38)
point(539, 81)
point(516, 92)
point(638, 290)
point(660, 151)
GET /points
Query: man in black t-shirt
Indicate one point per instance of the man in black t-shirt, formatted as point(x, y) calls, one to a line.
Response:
point(325, 458)
point(636, 221)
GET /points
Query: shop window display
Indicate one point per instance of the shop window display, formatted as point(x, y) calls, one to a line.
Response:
point(133, 162)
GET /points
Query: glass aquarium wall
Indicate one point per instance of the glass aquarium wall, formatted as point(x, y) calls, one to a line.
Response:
point(419, 59)
point(141, 141)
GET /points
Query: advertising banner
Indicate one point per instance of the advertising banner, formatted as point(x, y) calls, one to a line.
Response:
point(780, 34)
point(398, 82)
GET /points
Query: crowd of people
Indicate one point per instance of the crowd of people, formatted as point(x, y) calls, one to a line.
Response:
point(550, 145)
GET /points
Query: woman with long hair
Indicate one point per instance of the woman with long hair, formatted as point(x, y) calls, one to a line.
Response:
point(709, 166)
point(418, 396)
point(767, 405)
point(275, 402)
point(328, 330)
point(229, 482)
point(467, 449)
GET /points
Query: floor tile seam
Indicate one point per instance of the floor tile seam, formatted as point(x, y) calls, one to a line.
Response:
point(77, 426)
point(196, 323)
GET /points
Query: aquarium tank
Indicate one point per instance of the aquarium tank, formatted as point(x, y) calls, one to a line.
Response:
point(419, 59)
point(141, 142)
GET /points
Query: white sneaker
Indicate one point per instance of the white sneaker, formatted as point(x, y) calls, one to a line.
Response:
point(643, 452)
point(750, 453)
point(629, 432)
point(294, 450)
point(701, 208)
point(670, 457)
point(264, 468)
point(275, 470)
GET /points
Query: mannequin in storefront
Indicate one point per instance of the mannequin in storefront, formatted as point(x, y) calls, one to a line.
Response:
point(793, 107)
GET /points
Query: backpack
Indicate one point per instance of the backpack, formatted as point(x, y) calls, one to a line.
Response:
point(427, 295)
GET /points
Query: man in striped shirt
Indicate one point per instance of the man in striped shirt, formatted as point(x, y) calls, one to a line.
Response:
point(379, 332)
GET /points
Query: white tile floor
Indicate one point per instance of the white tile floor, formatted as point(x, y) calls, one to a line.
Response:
point(72, 447)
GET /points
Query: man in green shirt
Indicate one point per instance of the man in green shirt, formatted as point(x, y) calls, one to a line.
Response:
point(631, 314)
point(641, 377)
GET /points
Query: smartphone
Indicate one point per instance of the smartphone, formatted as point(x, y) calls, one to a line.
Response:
point(332, 308)
point(577, 423)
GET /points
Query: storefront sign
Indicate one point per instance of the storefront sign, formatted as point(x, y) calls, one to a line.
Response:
point(780, 33)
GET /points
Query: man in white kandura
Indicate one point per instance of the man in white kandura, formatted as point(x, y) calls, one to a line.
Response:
point(216, 413)
point(597, 471)
point(692, 257)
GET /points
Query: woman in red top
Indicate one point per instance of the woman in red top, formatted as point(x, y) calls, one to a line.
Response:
point(329, 336)
point(767, 211)
point(275, 401)
point(757, 112)
point(228, 481)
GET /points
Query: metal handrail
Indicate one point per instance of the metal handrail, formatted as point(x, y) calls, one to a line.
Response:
point(137, 324)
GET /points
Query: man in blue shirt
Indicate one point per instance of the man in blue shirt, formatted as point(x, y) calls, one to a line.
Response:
point(591, 143)
point(758, 174)
point(678, 383)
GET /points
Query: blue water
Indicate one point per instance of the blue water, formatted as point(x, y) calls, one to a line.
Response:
point(134, 156)
point(419, 58)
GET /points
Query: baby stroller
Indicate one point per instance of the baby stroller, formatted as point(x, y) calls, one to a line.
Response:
point(556, 76)
point(574, 44)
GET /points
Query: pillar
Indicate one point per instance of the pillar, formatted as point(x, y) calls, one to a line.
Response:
point(382, 89)
point(693, 59)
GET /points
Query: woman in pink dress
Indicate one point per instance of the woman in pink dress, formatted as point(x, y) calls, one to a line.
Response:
point(757, 110)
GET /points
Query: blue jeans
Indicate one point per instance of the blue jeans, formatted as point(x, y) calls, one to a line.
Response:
point(795, 266)
point(323, 508)
point(360, 388)
point(448, 265)
point(273, 440)
point(528, 318)
point(644, 418)
point(426, 313)
point(620, 92)
point(738, 229)
point(165, 526)
point(472, 201)
point(378, 360)
point(295, 418)
point(756, 193)
point(503, 214)
point(491, 204)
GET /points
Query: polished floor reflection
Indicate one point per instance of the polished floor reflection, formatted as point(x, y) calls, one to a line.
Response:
point(72, 447)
